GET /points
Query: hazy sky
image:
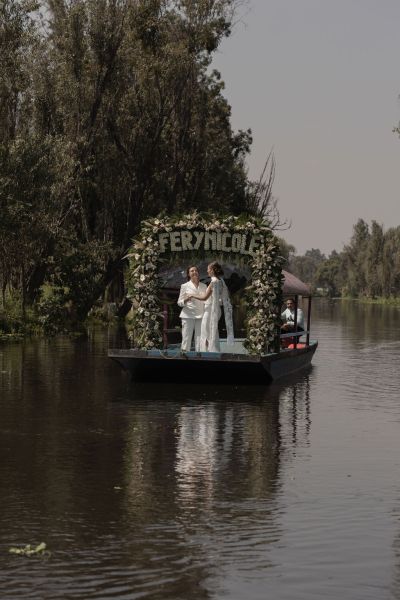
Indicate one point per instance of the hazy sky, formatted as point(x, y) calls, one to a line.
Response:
point(319, 82)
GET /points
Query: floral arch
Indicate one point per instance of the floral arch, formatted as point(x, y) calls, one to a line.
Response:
point(195, 236)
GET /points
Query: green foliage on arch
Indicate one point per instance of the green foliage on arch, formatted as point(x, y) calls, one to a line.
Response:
point(237, 239)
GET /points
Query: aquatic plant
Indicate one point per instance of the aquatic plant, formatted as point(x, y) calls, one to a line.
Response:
point(29, 550)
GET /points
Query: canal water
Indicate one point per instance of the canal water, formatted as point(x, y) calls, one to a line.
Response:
point(192, 491)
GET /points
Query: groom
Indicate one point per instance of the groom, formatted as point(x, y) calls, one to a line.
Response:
point(192, 310)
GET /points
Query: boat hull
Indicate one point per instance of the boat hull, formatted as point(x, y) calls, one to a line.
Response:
point(172, 365)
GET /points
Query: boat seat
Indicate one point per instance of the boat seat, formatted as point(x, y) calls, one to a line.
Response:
point(291, 346)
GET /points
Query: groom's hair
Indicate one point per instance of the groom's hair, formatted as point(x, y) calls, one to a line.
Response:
point(188, 269)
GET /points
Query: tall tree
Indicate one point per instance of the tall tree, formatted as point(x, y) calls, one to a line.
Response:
point(329, 274)
point(112, 112)
point(374, 261)
point(354, 257)
point(305, 267)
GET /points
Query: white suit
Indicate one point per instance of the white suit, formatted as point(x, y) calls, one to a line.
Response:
point(191, 314)
point(288, 316)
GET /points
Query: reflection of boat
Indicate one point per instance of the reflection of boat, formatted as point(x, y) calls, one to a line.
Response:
point(233, 363)
point(215, 440)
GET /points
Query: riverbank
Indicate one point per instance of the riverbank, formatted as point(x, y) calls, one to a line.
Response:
point(17, 324)
point(392, 301)
point(11, 337)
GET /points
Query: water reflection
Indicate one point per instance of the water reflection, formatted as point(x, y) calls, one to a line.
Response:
point(202, 472)
point(207, 433)
point(170, 486)
point(361, 323)
point(359, 349)
point(157, 491)
point(176, 491)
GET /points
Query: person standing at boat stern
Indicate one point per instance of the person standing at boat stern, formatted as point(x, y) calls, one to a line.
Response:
point(288, 317)
point(192, 310)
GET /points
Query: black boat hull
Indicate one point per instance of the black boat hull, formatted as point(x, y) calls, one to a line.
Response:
point(175, 366)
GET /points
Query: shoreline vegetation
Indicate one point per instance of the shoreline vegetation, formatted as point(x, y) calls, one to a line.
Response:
point(380, 301)
point(32, 328)
point(368, 267)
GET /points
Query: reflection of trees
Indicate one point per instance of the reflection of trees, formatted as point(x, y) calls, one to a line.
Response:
point(55, 431)
point(360, 322)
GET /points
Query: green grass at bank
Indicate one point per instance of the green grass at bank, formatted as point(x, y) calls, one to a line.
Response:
point(391, 301)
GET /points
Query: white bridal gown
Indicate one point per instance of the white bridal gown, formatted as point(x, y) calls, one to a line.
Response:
point(212, 314)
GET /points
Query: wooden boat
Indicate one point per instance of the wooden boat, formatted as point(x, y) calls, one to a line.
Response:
point(233, 364)
point(226, 367)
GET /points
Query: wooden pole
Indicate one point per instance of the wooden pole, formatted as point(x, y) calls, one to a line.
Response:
point(308, 321)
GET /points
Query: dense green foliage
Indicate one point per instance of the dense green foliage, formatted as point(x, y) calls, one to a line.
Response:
point(109, 113)
point(367, 267)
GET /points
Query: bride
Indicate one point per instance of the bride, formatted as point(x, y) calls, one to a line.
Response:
point(216, 295)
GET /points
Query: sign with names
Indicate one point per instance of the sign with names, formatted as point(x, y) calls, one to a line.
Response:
point(216, 241)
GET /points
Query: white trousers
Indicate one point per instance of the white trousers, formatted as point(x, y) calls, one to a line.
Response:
point(188, 327)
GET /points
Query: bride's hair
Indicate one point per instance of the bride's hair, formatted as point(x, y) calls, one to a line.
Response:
point(216, 267)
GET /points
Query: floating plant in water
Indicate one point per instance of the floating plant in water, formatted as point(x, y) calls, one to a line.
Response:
point(29, 550)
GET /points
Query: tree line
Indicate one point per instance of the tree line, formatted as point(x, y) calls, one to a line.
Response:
point(367, 267)
point(110, 112)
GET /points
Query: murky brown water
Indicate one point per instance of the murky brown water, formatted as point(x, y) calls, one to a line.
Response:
point(290, 491)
